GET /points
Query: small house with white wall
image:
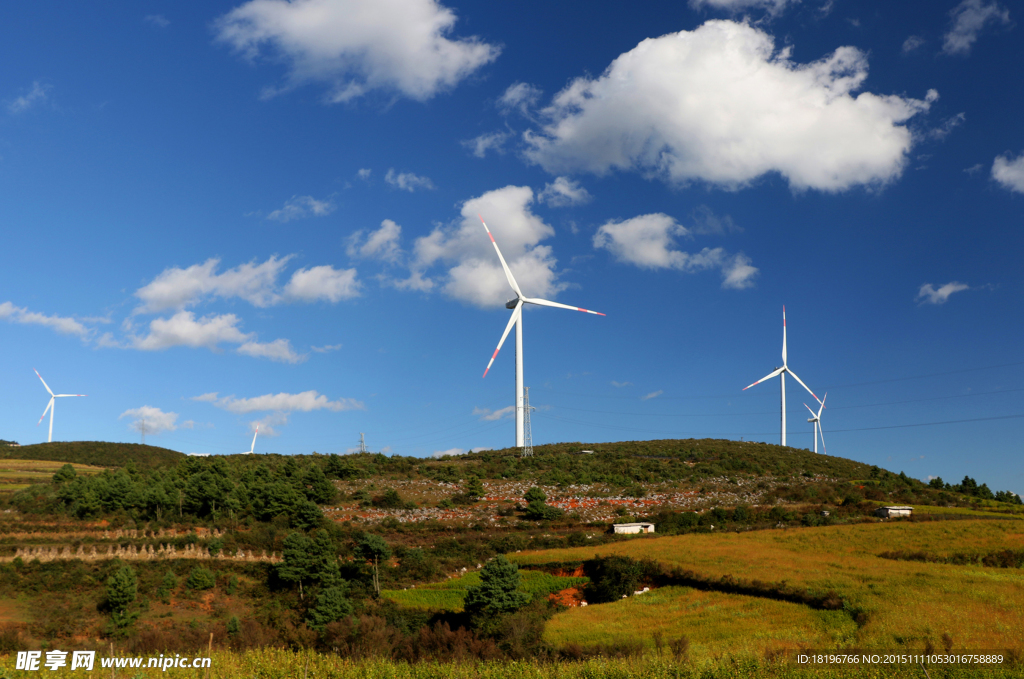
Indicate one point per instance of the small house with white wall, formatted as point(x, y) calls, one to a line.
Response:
point(893, 512)
point(629, 528)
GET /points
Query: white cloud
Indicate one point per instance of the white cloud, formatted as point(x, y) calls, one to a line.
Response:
point(327, 348)
point(299, 207)
point(706, 222)
point(736, 6)
point(564, 192)
point(306, 401)
point(969, 19)
point(34, 96)
point(621, 384)
point(947, 126)
point(184, 329)
point(438, 454)
point(158, 20)
point(364, 173)
point(356, 46)
point(495, 141)
point(488, 415)
point(519, 97)
point(912, 43)
point(653, 394)
point(150, 420)
point(475, 275)
point(648, 241)
point(929, 295)
point(721, 105)
point(323, 283)
point(380, 244)
point(1009, 172)
point(61, 324)
point(268, 423)
point(407, 181)
point(176, 288)
point(279, 350)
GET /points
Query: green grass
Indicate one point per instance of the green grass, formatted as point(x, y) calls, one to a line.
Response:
point(450, 594)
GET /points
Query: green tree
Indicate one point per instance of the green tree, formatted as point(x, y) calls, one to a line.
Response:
point(535, 494)
point(318, 488)
point(474, 490)
point(297, 563)
point(538, 511)
point(64, 474)
point(306, 514)
point(201, 578)
point(332, 605)
point(611, 578)
point(374, 549)
point(497, 594)
point(122, 588)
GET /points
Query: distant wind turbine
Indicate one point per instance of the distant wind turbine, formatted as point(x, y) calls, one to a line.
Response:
point(816, 419)
point(517, 319)
point(49, 406)
point(781, 372)
point(252, 448)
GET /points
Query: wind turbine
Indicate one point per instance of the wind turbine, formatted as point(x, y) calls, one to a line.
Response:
point(49, 406)
point(517, 320)
point(781, 372)
point(252, 448)
point(816, 419)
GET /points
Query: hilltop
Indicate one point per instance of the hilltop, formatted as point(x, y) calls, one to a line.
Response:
point(96, 453)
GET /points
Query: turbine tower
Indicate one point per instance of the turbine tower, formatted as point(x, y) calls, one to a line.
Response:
point(252, 448)
point(516, 305)
point(816, 419)
point(781, 372)
point(49, 406)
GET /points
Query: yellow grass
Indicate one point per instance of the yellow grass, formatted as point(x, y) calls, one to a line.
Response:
point(908, 603)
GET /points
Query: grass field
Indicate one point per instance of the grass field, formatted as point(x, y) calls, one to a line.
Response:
point(450, 594)
point(281, 664)
point(20, 474)
point(906, 604)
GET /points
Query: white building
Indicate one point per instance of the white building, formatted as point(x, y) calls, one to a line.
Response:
point(893, 512)
point(629, 528)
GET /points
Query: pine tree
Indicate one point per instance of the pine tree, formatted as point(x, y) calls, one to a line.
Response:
point(498, 592)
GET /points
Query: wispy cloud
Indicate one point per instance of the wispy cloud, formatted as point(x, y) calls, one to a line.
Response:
point(928, 294)
point(407, 181)
point(969, 18)
point(653, 394)
point(327, 348)
point(621, 384)
point(306, 401)
point(279, 350)
point(488, 415)
point(158, 20)
point(150, 420)
point(492, 141)
point(33, 97)
point(300, 207)
point(62, 324)
point(564, 192)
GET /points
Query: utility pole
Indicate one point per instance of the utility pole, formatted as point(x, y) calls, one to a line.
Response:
point(143, 430)
point(527, 433)
point(362, 443)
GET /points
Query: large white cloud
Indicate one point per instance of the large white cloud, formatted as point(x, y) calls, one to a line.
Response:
point(649, 242)
point(323, 283)
point(474, 274)
point(1009, 172)
point(279, 350)
point(358, 45)
point(721, 105)
point(184, 329)
point(176, 288)
point(150, 420)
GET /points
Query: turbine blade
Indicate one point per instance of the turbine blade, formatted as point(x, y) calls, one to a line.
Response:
point(821, 432)
point(802, 384)
point(48, 406)
point(784, 336)
point(822, 404)
point(43, 381)
point(544, 302)
point(511, 321)
point(253, 446)
point(770, 375)
point(508, 272)
point(64, 395)
point(811, 411)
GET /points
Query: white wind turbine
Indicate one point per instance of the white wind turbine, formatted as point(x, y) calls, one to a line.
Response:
point(781, 372)
point(816, 419)
point(517, 319)
point(49, 406)
point(252, 448)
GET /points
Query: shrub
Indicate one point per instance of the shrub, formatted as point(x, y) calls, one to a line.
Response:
point(201, 578)
point(611, 578)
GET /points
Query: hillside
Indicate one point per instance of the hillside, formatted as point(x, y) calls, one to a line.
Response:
point(97, 453)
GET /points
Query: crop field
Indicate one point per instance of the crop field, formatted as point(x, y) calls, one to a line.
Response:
point(281, 664)
point(900, 604)
point(450, 594)
point(19, 474)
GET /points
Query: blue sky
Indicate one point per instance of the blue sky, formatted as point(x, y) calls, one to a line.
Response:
point(224, 214)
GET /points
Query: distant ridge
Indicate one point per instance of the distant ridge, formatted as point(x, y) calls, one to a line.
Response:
point(99, 453)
